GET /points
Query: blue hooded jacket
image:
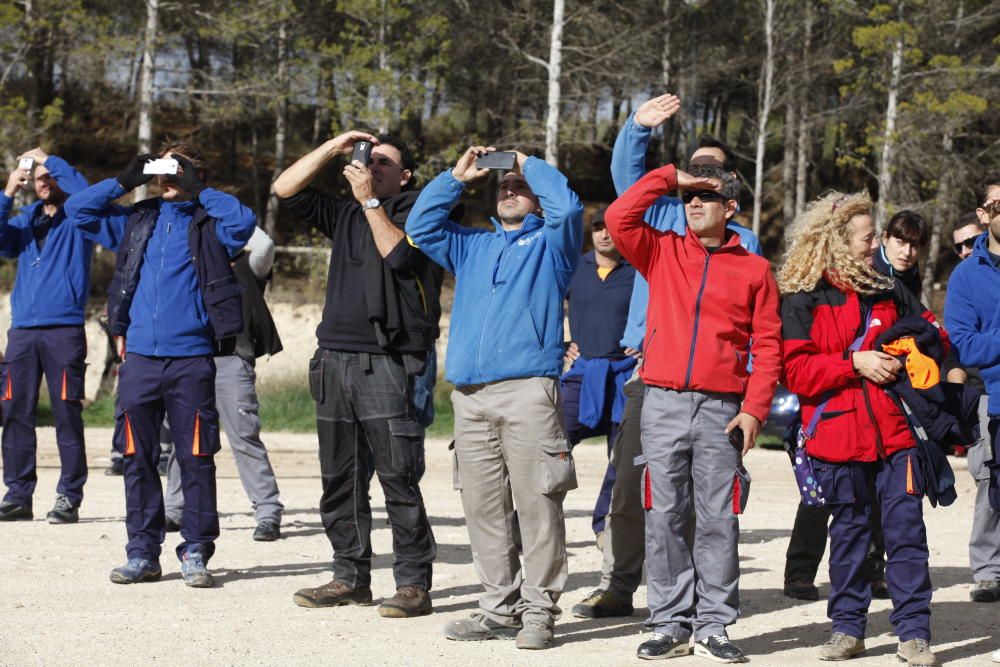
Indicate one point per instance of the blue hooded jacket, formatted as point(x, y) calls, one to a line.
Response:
point(168, 315)
point(972, 317)
point(507, 319)
point(628, 165)
point(52, 284)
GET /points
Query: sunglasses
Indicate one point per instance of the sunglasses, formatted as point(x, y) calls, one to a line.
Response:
point(991, 208)
point(968, 244)
point(704, 195)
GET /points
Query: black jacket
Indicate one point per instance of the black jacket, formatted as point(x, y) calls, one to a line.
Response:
point(260, 335)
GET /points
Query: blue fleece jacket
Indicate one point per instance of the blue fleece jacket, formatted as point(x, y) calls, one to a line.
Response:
point(168, 314)
point(972, 317)
point(628, 165)
point(52, 282)
point(507, 320)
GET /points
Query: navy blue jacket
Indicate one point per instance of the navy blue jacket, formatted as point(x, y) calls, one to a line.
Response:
point(598, 309)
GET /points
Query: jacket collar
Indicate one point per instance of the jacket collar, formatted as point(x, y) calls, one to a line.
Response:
point(530, 224)
point(732, 243)
point(980, 251)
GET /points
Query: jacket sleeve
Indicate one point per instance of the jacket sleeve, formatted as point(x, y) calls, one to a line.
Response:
point(766, 349)
point(234, 221)
point(430, 230)
point(807, 371)
point(91, 210)
point(637, 241)
point(318, 210)
point(563, 216)
point(907, 303)
point(10, 228)
point(69, 179)
point(977, 344)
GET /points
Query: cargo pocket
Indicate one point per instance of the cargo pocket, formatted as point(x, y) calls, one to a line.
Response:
point(248, 425)
point(72, 382)
point(316, 377)
point(456, 479)
point(558, 473)
point(6, 382)
point(205, 439)
point(914, 476)
point(405, 445)
point(123, 440)
point(841, 484)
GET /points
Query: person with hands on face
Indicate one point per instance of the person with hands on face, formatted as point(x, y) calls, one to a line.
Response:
point(709, 297)
point(51, 289)
point(505, 351)
point(176, 301)
point(379, 324)
point(835, 304)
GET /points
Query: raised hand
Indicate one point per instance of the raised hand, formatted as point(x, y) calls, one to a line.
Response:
point(18, 179)
point(132, 176)
point(187, 176)
point(655, 112)
point(688, 182)
point(465, 169)
point(344, 143)
point(360, 178)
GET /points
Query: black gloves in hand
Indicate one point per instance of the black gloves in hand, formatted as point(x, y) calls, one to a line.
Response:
point(133, 177)
point(187, 176)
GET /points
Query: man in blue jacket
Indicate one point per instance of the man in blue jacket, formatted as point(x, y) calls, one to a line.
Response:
point(176, 300)
point(46, 334)
point(505, 354)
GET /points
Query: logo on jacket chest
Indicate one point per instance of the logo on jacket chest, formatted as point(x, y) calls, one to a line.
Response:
point(529, 239)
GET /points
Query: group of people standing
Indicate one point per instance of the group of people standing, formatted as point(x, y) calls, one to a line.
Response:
point(680, 333)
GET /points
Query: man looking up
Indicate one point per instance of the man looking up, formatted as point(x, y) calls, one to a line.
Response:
point(505, 353)
point(176, 301)
point(46, 335)
point(379, 322)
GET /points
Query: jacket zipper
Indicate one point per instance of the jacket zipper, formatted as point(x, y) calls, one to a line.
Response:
point(493, 291)
point(697, 315)
point(879, 445)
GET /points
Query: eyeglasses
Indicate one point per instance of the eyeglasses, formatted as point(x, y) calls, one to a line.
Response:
point(704, 195)
point(968, 244)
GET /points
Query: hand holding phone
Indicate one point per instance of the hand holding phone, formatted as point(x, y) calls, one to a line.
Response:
point(26, 163)
point(160, 167)
point(502, 160)
point(362, 152)
point(736, 438)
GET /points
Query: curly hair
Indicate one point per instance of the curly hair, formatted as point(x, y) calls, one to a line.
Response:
point(818, 247)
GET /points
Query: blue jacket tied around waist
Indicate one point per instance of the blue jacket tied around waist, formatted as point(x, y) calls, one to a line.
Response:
point(507, 319)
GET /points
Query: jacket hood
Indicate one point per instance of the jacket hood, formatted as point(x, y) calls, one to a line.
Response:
point(981, 249)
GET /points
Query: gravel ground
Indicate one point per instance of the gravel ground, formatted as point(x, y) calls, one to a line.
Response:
point(58, 606)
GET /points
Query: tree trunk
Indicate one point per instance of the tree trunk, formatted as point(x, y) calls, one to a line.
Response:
point(888, 140)
point(802, 147)
point(280, 122)
point(146, 87)
point(764, 111)
point(788, 164)
point(383, 67)
point(555, 69)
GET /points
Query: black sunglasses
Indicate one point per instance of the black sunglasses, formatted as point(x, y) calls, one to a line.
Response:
point(704, 195)
point(968, 244)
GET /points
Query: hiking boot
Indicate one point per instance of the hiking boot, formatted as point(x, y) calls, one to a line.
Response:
point(985, 591)
point(719, 649)
point(801, 590)
point(64, 511)
point(916, 653)
point(334, 594)
point(880, 589)
point(603, 604)
point(171, 526)
point(116, 467)
point(661, 647)
point(195, 572)
point(477, 628)
point(841, 647)
point(409, 601)
point(267, 531)
point(135, 571)
point(535, 635)
point(11, 511)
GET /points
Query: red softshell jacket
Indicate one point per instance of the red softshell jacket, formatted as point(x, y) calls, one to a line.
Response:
point(704, 308)
point(861, 422)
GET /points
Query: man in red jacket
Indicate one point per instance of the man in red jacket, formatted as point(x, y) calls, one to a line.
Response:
point(709, 298)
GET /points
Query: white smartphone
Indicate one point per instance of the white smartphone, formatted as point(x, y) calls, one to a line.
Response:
point(161, 166)
point(26, 163)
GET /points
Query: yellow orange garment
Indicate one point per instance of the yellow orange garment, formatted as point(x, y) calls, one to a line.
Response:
point(604, 271)
point(923, 372)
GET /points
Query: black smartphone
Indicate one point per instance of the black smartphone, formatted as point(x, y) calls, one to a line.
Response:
point(497, 160)
point(736, 438)
point(362, 152)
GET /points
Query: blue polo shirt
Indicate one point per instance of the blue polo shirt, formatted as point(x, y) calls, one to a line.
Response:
point(598, 309)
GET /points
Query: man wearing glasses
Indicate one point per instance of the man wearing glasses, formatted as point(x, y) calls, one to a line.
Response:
point(974, 324)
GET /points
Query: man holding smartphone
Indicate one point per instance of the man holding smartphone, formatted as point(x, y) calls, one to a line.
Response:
point(46, 334)
point(380, 321)
point(505, 353)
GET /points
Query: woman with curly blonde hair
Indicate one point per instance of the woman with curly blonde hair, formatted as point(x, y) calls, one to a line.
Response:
point(863, 456)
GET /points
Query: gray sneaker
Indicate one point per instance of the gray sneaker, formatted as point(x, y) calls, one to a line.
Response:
point(535, 635)
point(841, 647)
point(194, 572)
point(477, 628)
point(916, 653)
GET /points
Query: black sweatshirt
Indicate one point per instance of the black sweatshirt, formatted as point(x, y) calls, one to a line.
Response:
point(354, 319)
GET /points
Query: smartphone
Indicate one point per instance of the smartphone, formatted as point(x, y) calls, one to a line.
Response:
point(497, 160)
point(161, 166)
point(736, 438)
point(362, 152)
point(26, 163)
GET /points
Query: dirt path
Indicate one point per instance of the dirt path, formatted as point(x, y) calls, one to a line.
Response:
point(59, 608)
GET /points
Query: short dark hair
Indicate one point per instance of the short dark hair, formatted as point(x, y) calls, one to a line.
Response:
point(966, 219)
point(187, 149)
point(909, 226)
point(708, 141)
point(404, 151)
point(730, 184)
point(993, 178)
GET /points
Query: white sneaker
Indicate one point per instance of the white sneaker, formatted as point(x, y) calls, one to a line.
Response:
point(996, 655)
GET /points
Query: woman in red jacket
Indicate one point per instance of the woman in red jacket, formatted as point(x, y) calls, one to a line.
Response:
point(861, 449)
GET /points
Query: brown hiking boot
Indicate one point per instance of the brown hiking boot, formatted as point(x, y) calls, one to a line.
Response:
point(409, 601)
point(916, 652)
point(334, 594)
point(841, 646)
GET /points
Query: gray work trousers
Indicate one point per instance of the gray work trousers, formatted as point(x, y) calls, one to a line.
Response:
point(984, 542)
point(624, 548)
point(236, 401)
point(511, 451)
point(692, 587)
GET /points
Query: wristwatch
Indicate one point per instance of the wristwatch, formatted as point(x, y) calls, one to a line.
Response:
point(370, 204)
